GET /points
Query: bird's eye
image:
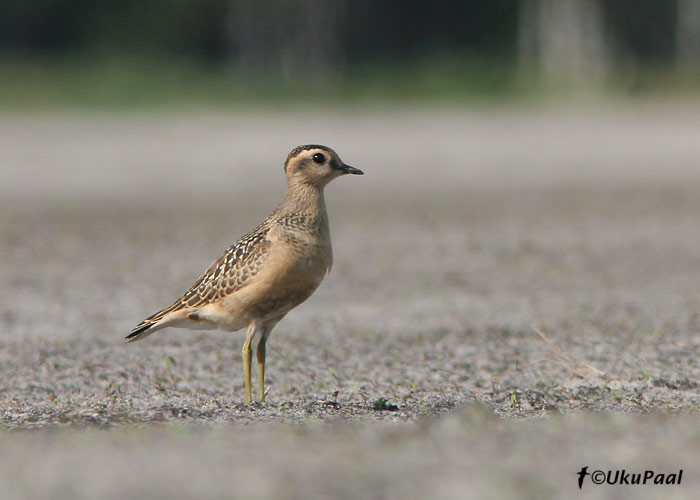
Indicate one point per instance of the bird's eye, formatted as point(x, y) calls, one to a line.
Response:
point(319, 158)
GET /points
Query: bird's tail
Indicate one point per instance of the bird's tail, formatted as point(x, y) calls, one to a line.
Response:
point(153, 323)
point(142, 330)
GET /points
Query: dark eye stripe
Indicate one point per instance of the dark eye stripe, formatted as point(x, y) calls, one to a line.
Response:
point(319, 158)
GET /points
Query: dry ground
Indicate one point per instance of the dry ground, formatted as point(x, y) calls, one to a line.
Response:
point(414, 371)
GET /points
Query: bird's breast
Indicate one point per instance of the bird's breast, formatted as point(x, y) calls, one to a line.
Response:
point(293, 269)
point(302, 261)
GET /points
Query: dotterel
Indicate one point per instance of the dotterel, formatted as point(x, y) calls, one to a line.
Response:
point(270, 270)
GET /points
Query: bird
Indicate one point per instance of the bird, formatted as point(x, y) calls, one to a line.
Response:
point(270, 270)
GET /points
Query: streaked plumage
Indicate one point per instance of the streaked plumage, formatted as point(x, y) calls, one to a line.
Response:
point(270, 270)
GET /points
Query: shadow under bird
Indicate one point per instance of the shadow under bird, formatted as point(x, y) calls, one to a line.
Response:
point(270, 270)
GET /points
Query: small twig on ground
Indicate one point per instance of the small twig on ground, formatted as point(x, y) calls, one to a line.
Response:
point(561, 357)
point(523, 367)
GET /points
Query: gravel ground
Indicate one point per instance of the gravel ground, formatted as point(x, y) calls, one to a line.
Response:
point(417, 369)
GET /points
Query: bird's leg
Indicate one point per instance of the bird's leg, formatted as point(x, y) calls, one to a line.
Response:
point(247, 354)
point(261, 363)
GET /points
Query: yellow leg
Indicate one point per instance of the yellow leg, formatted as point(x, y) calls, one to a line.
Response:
point(247, 358)
point(247, 354)
point(261, 365)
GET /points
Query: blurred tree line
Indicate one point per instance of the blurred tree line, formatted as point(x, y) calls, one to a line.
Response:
point(568, 41)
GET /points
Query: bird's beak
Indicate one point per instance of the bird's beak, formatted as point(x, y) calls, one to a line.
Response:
point(347, 169)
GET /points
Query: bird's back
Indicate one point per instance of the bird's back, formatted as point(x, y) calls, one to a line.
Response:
point(231, 272)
point(269, 271)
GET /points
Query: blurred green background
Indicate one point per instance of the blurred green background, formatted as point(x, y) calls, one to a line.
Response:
point(155, 53)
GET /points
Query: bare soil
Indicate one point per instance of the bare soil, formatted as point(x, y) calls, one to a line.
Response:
point(417, 369)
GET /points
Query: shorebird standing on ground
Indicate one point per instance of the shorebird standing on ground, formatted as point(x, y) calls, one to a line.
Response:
point(270, 271)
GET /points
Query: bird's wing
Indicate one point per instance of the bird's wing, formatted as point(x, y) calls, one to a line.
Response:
point(228, 274)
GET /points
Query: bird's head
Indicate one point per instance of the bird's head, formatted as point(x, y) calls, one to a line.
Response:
point(315, 165)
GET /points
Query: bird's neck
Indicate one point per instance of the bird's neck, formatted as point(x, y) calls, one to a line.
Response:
point(303, 198)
